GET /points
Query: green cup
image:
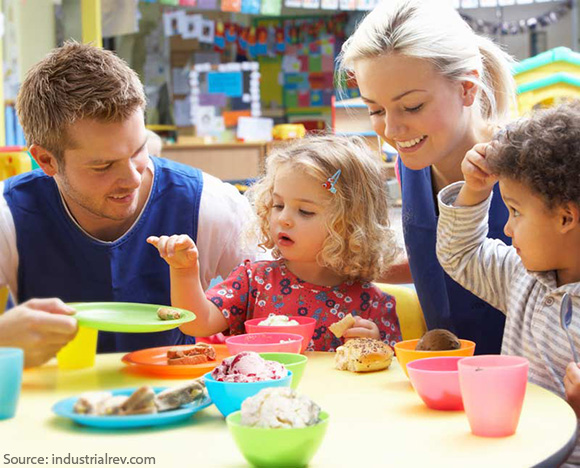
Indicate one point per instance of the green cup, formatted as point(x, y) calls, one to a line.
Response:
point(277, 447)
point(292, 361)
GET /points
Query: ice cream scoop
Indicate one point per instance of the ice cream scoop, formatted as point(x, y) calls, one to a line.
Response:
point(438, 340)
point(248, 366)
point(279, 407)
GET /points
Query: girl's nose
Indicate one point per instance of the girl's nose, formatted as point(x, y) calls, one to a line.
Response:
point(507, 229)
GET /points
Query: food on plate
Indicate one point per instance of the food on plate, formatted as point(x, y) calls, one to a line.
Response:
point(91, 402)
point(248, 366)
point(338, 328)
point(438, 340)
point(167, 313)
point(194, 354)
point(141, 401)
point(175, 397)
point(363, 355)
point(279, 407)
point(274, 320)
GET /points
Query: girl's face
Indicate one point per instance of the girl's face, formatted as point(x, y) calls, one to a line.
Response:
point(418, 111)
point(297, 219)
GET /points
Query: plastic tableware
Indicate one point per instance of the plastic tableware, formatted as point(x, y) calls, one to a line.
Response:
point(493, 389)
point(228, 396)
point(126, 317)
point(11, 365)
point(292, 361)
point(277, 447)
point(436, 381)
point(81, 351)
point(405, 352)
point(154, 361)
point(265, 343)
point(64, 408)
point(305, 328)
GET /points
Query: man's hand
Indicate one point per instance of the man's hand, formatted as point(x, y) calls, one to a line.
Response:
point(179, 251)
point(41, 327)
point(362, 328)
point(572, 387)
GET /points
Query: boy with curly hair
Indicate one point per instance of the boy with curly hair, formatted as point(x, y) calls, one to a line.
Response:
point(537, 163)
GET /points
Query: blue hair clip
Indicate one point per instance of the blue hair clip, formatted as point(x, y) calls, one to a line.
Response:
point(331, 181)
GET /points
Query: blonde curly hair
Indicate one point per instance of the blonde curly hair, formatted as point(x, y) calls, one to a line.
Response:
point(360, 243)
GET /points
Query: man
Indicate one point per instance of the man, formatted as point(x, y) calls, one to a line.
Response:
point(76, 228)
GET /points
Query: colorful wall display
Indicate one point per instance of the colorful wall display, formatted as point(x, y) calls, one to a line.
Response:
point(220, 94)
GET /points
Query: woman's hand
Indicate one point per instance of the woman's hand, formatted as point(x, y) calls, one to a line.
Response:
point(179, 251)
point(362, 328)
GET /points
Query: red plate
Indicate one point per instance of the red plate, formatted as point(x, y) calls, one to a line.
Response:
point(154, 361)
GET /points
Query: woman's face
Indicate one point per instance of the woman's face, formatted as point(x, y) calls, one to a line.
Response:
point(419, 112)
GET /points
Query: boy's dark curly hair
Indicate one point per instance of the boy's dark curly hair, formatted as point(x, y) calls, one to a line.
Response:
point(542, 152)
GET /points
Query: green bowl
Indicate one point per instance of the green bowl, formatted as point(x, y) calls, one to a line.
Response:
point(293, 362)
point(277, 447)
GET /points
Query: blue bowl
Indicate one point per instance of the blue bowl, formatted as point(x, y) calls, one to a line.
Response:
point(228, 396)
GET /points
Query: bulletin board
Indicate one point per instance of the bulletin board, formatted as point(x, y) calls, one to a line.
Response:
point(220, 94)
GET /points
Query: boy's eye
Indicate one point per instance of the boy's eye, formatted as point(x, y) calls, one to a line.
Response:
point(414, 109)
point(376, 112)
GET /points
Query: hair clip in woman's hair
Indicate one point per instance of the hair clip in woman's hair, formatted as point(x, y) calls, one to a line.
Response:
point(331, 181)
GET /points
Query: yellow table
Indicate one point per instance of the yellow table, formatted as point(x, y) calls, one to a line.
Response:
point(376, 420)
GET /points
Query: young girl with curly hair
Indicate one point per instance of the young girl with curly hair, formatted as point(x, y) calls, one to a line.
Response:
point(322, 209)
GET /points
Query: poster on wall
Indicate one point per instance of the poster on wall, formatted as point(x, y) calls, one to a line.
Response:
point(225, 91)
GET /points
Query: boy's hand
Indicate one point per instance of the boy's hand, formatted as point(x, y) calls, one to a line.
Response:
point(479, 180)
point(179, 251)
point(572, 387)
point(362, 328)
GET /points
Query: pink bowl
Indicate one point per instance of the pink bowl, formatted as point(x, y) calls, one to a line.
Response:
point(436, 380)
point(265, 343)
point(305, 328)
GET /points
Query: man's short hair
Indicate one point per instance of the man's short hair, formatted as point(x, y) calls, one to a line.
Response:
point(74, 82)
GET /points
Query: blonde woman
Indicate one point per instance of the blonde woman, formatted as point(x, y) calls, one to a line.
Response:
point(322, 209)
point(433, 89)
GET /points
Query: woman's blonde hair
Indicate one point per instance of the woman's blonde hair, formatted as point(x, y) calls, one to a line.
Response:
point(434, 31)
point(360, 244)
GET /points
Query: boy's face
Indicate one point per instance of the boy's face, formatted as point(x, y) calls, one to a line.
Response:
point(535, 230)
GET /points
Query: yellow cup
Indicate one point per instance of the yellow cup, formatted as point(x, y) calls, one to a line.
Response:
point(80, 352)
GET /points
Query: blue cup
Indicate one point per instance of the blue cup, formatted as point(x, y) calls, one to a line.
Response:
point(11, 365)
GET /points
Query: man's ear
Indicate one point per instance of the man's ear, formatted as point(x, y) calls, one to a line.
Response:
point(45, 159)
point(569, 217)
point(469, 90)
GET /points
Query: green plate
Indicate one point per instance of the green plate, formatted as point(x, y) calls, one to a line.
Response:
point(126, 317)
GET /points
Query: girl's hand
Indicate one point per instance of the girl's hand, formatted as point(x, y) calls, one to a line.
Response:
point(478, 176)
point(179, 251)
point(572, 387)
point(362, 328)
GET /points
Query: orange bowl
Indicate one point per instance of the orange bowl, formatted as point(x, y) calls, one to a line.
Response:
point(405, 352)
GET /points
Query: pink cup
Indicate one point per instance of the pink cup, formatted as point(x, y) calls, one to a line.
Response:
point(493, 389)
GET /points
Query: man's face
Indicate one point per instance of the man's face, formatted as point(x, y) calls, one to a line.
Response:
point(101, 178)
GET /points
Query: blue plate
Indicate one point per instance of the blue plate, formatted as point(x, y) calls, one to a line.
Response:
point(64, 408)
